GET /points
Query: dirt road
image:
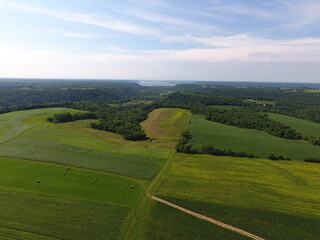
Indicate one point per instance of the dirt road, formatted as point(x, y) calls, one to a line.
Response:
point(250, 235)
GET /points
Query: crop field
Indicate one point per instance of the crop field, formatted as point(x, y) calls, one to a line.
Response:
point(166, 124)
point(74, 144)
point(30, 216)
point(306, 128)
point(166, 223)
point(272, 199)
point(252, 141)
point(86, 209)
point(20, 174)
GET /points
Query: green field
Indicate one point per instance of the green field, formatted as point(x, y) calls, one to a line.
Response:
point(166, 223)
point(252, 141)
point(31, 137)
point(86, 209)
point(274, 200)
point(35, 216)
point(306, 128)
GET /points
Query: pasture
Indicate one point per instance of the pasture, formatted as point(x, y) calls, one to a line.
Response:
point(77, 145)
point(306, 128)
point(252, 141)
point(275, 200)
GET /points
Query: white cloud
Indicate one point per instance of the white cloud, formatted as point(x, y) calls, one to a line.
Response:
point(235, 49)
point(95, 20)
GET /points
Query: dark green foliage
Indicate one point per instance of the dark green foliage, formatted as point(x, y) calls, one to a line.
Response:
point(314, 160)
point(196, 102)
point(249, 118)
point(68, 117)
point(315, 142)
point(183, 146)
point(39, 92)
point(123, 120)
point(186, 134)
point(272, 156)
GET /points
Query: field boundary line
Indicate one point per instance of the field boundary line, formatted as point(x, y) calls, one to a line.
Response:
point(208, 219)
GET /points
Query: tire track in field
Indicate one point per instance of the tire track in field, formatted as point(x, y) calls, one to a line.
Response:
point(208, 219)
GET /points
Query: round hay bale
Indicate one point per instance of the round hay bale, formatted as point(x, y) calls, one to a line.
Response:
point(64, 173)
point(78, 174)
point(117, 183)
point(38, 181)
point(132, 186)
point(68, 168)
point(95, 180)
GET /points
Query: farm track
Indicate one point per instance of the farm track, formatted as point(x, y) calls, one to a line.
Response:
point(211, 220)
point(143, 203)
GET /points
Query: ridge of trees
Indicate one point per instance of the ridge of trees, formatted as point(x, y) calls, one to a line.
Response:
point(70, 117)
point(183, 146)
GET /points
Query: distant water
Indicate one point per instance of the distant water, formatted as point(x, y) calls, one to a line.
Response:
point(151, 83)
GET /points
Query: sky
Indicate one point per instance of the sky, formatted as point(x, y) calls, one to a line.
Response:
point(218, 40)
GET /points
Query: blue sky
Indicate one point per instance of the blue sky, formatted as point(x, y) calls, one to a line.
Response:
point(226, 40)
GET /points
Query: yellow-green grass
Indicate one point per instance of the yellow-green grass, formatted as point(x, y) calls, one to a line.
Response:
point(306, 128)
point(252, 141)
point(312, 90)
point(37, 216)
point(275, 200)
point(166, 124)
point(77, 145)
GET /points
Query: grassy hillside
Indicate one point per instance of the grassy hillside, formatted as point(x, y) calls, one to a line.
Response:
point(252, 141)
point(74, 144)
point(275, 200)
point(306, 128)
point(166, 124)
point(11, 123)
